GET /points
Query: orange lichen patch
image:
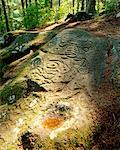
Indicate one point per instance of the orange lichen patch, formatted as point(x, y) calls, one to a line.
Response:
point(52, 123)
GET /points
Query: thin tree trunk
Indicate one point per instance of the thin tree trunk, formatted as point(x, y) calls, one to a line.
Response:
point(26, 2)
point(59, 3)
point(7, 1)
point(5, 15)
point(73, 5)
point(22, 4)
point(82, 5)
point(30, 2)
point(87, 5)
point(91, 6)
point(98, 6)
point(51, 4)
point(0, 18)
point(78, 5)
point(8, 8)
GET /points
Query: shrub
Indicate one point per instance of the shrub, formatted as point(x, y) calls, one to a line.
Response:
point(31, 17)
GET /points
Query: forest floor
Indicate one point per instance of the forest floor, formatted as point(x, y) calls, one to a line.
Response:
point(109, 27)
point(109, 136)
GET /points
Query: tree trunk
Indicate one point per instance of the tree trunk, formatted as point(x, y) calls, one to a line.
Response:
point(5, 15)
point(87, 5)
point(73, 5)
point(82, 5)
point(30, 2)
point(51, 4)
point(98, 6)
point(78, 5)
point(0, 19)
point(8, 8)
point(91, 6)
point(22, 4)
point(59, 3)
point(26, 2)
point(7, 1)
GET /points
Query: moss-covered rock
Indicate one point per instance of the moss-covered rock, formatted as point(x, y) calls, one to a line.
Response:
point(70, 139)
point(11, 93)
point(54, 101)
point(18, 48)
point(7, 39)
point(24, 43)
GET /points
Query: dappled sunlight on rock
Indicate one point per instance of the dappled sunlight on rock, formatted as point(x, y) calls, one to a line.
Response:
point(58, 94)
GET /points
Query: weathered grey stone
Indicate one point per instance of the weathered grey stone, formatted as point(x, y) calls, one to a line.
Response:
point(71, 53)
point(58, 109)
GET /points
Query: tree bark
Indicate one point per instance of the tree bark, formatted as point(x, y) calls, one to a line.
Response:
point(0, 18)
point(73, 5)
point(98, 6)
point(87, 5)
point(82, 5)
point(51, 4)
point(5, 15)
point(59, 3)
point(26, 2)
point(78, 5)
point(8, 8)
point(91, 6)
point(22, 4)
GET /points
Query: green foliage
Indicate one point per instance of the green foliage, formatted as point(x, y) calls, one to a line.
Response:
point(61, 11)
point(2, 24)
point(16, 20)
point(46, 16)
point(112, 6)
point(31, 17)
point(41, 13)
point(2, 27)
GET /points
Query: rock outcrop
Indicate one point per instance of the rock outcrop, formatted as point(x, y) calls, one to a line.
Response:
point(55, 106)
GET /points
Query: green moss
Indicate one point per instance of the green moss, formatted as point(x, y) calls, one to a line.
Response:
point(36, 61)
point(35, 54)
point(23, 67)
point(24, 38)
point(74, 139)
point(18, 48)
point(11, 94)
point(71, 139)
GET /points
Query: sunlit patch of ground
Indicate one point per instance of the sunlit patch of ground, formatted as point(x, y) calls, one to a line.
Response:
point(100, 26)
